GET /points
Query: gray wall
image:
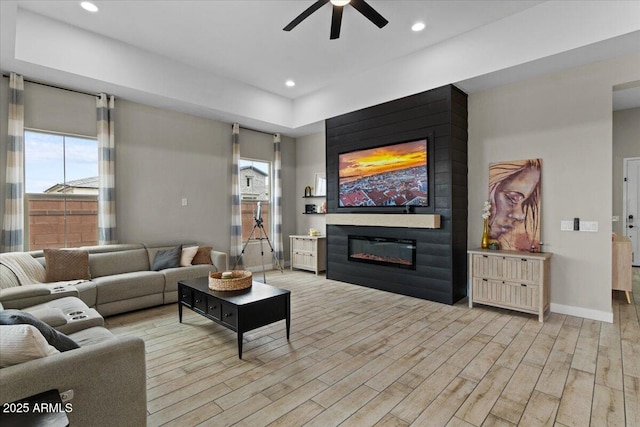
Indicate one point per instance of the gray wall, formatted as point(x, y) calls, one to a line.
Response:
point(564, 118)
point(164, 156)
point(626, 143)
point(310, 159)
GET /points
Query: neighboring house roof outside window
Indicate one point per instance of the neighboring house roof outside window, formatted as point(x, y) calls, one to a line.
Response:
point(253, 168)
point(78, 186)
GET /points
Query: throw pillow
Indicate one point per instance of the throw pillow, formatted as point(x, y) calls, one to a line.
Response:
point(59, 341)
point(167, 259)
point(65, 264)
point(187, 256)
point(22, 343)
point(203, 256)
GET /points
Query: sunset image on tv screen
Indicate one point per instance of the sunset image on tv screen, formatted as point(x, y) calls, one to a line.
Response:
point(392, 175)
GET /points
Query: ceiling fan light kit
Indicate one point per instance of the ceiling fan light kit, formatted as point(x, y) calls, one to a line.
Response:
point(336, 17)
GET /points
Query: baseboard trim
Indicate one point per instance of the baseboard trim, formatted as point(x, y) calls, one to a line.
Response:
point(587, 313)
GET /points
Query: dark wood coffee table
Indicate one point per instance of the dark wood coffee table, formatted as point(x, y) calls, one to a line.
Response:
point(240, 311)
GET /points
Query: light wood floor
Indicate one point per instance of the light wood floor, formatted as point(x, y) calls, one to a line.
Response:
point(362, 357)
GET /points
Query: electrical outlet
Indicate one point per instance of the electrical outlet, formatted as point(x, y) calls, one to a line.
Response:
point(615, 218)
point(184, 201)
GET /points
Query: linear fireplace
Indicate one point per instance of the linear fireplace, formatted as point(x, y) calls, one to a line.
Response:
point(400, 253)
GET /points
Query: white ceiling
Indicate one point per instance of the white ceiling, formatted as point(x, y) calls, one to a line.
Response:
point(229, 59)
point(244, 40)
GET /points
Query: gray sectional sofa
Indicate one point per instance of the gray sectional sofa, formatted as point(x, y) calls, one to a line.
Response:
point(121, 279)
point(104, 379)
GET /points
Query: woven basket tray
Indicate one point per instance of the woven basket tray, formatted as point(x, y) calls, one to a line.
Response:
point(241, 280)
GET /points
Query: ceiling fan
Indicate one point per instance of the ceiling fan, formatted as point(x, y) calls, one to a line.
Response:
point(336, 17)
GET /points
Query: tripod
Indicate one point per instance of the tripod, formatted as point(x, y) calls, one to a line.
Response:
point(263, 236)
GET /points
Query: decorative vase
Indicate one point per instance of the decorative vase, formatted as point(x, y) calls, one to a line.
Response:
point(485, 234)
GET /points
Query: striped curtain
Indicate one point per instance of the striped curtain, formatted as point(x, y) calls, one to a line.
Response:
point(236, 214)
point(13, 223)
point(277, 199)
point(106, 170)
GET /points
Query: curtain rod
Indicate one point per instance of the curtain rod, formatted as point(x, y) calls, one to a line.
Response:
point(256, 130)
point(55, 87)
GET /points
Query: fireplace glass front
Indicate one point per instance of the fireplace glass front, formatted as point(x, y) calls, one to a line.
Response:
point(400, 253)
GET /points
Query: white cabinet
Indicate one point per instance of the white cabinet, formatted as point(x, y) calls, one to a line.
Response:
point(510, 279)
point(309, 253)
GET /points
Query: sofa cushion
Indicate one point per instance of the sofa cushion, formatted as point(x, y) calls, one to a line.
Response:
point(173, 275)
point(58, 340)
point(64, 264)
point(22, 343)
point(203, 256)
point(92, 336)
point(110, 263)
point(187, 255)
point(169, 258)
point(128, 285)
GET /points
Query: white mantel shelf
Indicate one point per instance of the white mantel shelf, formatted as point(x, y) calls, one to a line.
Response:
point(385, 220)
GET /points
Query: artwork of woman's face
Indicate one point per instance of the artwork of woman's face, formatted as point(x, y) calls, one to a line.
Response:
point(509, 197)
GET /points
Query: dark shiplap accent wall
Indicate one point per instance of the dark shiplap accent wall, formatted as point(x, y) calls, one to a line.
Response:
point(441, 272)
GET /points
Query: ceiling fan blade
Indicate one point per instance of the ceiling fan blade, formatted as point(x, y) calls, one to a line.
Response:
point(304, 15)
point(369, 12)
point(336, 22)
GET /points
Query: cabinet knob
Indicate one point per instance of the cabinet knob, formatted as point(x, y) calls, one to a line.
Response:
point(524, 259)
point(485, 280)
point(522, 284)
point(228, 314)
point(485, 256)
point(197, 299)
point(212, 307)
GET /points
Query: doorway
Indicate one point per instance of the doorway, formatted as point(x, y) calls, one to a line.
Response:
point(631, 205)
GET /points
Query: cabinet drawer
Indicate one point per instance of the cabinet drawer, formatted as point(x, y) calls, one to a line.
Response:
point(488, 266)
point(508, 294)
point(229, 315)
point(214, 307)
point(486, 290)
point(521, 270)
point(200, 302)
point(300, 244)
point(520, 295)
point(303, 260)
point(186, 295)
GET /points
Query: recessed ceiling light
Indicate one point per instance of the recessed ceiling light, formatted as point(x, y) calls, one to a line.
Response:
point(290, 83)
point(340, 2)
point(87, 5)
point(418, 26)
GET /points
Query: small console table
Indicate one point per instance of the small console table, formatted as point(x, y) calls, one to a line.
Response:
point(510, 279)
point(308, 253)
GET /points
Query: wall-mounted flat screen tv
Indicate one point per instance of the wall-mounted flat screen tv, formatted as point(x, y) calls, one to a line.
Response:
point(386, 176)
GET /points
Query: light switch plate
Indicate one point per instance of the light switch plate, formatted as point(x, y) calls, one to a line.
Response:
point(589, 226)
point(566, 225)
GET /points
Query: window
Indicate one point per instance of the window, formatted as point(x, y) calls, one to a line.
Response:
point(61, 186)
point(256, 175)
